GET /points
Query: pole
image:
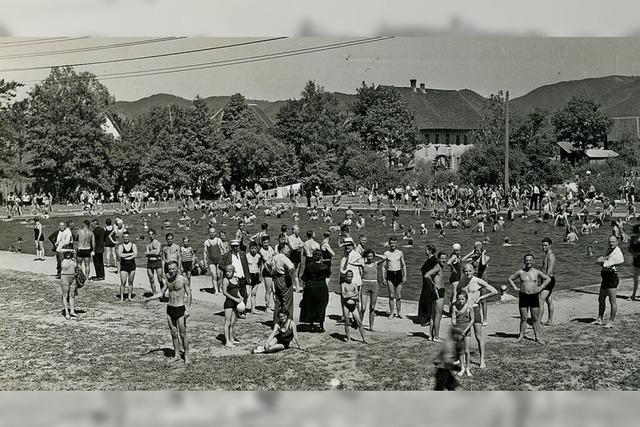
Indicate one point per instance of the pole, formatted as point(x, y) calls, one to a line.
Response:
point(506, 143)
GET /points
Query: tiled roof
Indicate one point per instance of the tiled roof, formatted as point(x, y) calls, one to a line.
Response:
point(592, 153)
point(442, 109)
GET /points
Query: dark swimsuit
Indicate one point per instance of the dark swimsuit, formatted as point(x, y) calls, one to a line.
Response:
point(285, 337)
point(127, 264)
point(232, 289)
point(175, 313)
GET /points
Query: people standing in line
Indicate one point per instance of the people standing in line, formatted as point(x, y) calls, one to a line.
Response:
point(38, 236)
point(100, 236)
point(425, 303)
point(609, 285)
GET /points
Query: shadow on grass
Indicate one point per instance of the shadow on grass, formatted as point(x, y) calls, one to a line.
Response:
point(207, 290)
point(503, 335)
point(418, 335)
point(166, 352)
point(339, 337)
point(583, 319)
point(269, 324)
point(77, 311)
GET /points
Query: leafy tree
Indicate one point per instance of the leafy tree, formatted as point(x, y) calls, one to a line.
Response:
point(384, 122)
point(14, 146)
point(237, 115)
point(255, 157)
point(484, 164)
point(628, 147)
point(492, 129)
point(7, 91)
point(315, 129)
point(582, 123)
point(68, 145)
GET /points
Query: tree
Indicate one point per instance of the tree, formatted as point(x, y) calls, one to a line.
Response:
point(258, 157)
point(14, 146)
point(7, 91)
point(384, 122)
point(582, 123)
point(69, 147)
point(315, 129)
point(236, 115)
point(492, 129)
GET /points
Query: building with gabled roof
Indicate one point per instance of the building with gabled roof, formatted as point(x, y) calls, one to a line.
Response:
point(569, 153)
point(443, 116)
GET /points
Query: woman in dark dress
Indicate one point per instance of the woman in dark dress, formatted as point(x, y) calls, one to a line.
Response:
point(425, 306)
point(315, 296)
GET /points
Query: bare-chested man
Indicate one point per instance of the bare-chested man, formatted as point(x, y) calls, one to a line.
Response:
point(171, 253)
point(177, 310)
point(86, 245)
point(154, 260)
point(548, 268)
point(529, 290)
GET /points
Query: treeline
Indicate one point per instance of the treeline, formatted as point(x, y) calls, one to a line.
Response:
point(54, 135)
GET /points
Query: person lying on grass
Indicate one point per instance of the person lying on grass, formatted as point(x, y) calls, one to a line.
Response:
point(284, 331)
point(350, 294)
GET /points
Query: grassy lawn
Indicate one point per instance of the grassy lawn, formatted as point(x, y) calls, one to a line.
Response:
point(116, 346)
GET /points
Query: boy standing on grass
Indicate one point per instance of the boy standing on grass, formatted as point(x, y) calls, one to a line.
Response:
point(349, 292)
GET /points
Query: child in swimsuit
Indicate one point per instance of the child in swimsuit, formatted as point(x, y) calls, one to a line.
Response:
point(462, 321)
point(284, 331)
point(231, 290)
point(349, 292)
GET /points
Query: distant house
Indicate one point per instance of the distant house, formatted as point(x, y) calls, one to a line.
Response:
point(255, 109)
point(624, 127)
point(568, 153)
point(445, 117)
point(111, 128)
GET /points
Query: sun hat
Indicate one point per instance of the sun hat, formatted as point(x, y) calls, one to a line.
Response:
point(234, 242)
point(347, 241)
point(457, 247)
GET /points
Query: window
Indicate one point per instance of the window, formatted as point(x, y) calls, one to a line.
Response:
point(457, 139)
point(448, 139)
point(465, 140)
point(427, 138)
point(437, 138)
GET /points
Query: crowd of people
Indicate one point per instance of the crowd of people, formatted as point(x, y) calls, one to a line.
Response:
point(240, 263)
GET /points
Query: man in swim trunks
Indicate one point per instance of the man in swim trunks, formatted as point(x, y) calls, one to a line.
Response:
point(394, 270)
point(177, 310)
point(548, 268)
point(610, 281)
point(171, 252)
point(213, 255)
point(529, 299)
point(154, 260)
point(86, 244)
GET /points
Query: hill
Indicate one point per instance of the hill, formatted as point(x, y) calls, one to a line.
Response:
point(619, 96)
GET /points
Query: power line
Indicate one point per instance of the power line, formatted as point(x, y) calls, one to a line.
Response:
point(41, 41)
point(236, 61)
point(90, 48)
point(137, 58)
point(239, 61)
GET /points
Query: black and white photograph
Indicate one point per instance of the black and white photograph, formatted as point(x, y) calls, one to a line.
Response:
point(379, 213)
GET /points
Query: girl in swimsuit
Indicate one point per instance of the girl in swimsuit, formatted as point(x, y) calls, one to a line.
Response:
point(67, 282)
point(231, 290)
point(38, 236)
point(284, 331)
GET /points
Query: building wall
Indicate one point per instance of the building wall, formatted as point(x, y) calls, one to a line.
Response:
point(447, 136)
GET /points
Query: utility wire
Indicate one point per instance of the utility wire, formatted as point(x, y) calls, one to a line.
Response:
point(138, 58)
point(41, 41)
point(90, 48)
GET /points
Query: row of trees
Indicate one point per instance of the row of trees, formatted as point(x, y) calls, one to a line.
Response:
point(55, 136)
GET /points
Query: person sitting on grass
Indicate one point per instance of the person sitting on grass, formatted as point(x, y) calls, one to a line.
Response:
point(462, 321)
point(284, 331)
point(349, 300)
point(16, 246)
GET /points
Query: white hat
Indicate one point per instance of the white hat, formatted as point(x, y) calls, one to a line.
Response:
point(457, 247)
point(234, 242)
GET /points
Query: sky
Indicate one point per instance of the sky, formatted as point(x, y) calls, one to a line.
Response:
point(485, 65)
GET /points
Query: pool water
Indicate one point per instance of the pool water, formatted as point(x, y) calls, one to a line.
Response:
point(574, 267)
